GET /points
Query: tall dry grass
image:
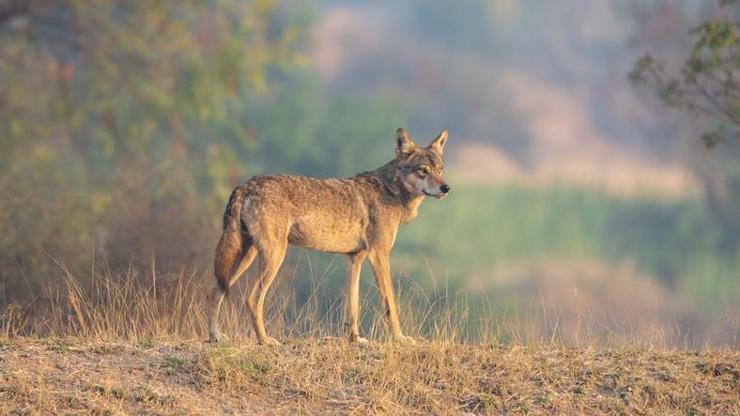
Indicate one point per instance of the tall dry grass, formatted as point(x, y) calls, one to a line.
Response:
point(136, 305)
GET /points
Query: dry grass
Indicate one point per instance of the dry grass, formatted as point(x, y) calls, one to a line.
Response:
point(132, 344)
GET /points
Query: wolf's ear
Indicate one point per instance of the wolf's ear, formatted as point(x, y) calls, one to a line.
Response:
point(404, 145)
point(438, 144)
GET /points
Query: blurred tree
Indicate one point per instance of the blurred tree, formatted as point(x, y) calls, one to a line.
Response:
point(127, 114)
point(709, 86)
point(709, 82)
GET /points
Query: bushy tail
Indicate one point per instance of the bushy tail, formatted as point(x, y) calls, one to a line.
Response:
point(231, 247)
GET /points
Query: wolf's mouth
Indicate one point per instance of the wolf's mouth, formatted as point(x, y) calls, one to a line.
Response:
point(440, 196)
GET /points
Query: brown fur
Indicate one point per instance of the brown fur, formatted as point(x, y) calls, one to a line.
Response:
point(357, 216)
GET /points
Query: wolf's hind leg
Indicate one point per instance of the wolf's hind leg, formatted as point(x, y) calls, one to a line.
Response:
point(216, 296)
point(271, 257)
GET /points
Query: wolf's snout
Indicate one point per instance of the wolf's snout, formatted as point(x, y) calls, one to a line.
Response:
point(444, 188)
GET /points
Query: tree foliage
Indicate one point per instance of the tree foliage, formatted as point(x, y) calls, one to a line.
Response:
point(709, 85)
point(709, 82)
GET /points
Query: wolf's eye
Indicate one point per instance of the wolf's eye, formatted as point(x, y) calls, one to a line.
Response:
point(422, 170)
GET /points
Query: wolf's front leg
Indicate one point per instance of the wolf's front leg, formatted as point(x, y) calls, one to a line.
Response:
point(352, 300)
point(380, 263)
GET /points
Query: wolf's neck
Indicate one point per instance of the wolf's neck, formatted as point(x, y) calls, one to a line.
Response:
point(387, 177)
point(410, 209)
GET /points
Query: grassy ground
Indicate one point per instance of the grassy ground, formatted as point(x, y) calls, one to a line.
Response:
point(329, 376)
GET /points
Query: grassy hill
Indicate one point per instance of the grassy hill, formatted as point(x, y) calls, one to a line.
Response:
point(329, 376)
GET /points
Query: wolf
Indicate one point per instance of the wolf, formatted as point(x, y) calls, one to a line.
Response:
point(357, 216)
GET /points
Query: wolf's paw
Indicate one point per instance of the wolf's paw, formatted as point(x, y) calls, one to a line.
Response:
point(216, 338)
point(356, 339)
point(269, 341)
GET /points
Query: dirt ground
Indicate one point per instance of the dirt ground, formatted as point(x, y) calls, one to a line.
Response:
point(329, 376)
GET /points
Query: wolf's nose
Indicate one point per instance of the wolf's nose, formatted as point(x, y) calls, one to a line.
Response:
point(444, 188)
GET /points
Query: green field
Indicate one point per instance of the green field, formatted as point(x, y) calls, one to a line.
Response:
point(480, 227)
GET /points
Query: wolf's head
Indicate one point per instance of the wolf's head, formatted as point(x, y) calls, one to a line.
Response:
point(420, 168)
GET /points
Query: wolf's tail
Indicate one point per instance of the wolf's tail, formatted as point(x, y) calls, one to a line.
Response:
point(232, 245)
